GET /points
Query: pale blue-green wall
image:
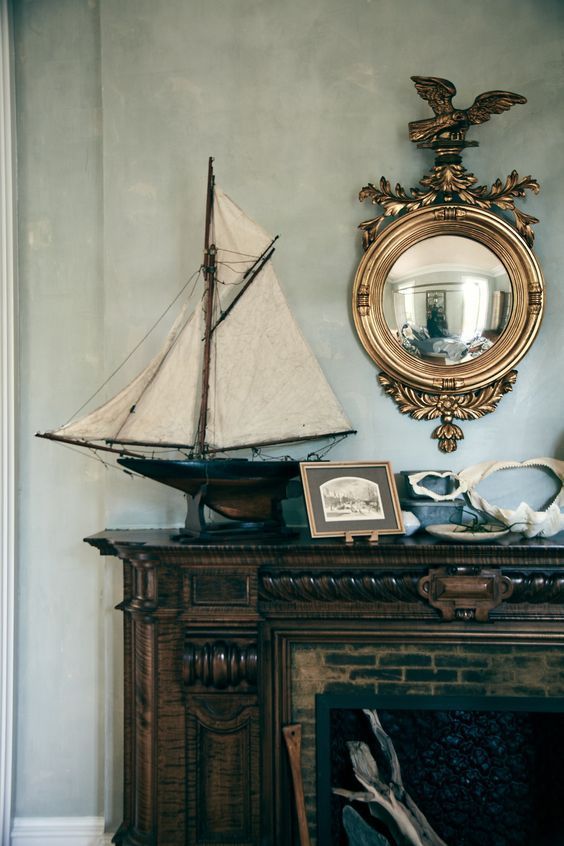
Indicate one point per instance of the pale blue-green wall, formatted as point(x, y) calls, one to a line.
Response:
point(120, 102)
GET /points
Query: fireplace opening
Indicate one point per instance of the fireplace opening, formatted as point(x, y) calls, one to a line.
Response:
point(480, 771)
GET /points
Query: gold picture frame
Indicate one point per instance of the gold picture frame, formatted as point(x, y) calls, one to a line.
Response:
point(351, 499)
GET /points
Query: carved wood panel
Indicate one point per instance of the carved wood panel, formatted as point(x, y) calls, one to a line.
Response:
point(222, 770)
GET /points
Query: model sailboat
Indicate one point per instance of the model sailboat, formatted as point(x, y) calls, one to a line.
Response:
point(232, 374)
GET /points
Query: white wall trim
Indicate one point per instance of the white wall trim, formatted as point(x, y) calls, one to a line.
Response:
point(58, 831)
point(7, 414)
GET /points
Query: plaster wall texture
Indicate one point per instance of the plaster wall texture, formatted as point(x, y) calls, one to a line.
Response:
point(119, 105)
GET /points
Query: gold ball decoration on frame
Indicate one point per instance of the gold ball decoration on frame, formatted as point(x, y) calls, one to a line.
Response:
point(449, 296)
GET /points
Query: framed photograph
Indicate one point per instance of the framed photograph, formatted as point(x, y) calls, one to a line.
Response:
point(351, 498)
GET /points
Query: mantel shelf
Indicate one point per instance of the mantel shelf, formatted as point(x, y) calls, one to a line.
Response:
point(416, 550)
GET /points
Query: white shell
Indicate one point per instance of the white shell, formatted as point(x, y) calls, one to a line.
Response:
point(523, 518)
point(415, 480)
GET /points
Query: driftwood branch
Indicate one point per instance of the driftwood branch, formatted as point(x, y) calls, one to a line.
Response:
point(388, 802)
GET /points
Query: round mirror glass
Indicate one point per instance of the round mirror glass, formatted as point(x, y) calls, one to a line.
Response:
point(447, 299)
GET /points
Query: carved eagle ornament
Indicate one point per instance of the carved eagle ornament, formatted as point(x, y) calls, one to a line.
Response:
point(449, 121)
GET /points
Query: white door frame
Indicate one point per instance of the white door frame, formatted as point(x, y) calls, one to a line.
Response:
point(7, 414)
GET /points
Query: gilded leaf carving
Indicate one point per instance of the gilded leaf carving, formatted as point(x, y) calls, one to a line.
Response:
point(449, 183)
point(464, 406)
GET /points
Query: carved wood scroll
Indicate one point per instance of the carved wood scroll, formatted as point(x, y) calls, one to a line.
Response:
point(464, 596)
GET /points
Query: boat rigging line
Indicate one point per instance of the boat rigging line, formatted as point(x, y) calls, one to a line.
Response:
point(248, 278)
point(195, 276)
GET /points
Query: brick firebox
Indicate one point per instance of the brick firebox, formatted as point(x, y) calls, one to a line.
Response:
point(418, 666)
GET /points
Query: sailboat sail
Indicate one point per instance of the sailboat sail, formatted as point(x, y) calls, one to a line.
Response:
point(151, 409)
point(278, 392)
point(265, 385)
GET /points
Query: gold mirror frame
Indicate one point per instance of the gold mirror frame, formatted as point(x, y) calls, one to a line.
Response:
point(450, 205)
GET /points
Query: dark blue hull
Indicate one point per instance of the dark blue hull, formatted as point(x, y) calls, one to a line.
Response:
point(233, 487)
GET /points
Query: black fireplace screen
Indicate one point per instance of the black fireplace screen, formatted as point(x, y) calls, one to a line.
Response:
point(480, 771)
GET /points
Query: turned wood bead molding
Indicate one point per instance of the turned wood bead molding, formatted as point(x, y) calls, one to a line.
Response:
point(465, 596)
point(331, 587)
point(458, 592)
point(219, 664)
point(537, 587)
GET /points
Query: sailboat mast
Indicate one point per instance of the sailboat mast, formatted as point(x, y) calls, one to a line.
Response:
point(209, 277)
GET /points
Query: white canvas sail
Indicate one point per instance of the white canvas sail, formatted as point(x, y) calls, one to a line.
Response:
point(239, 240)
point(171, 381)
point(265, 384)
point(277, 391)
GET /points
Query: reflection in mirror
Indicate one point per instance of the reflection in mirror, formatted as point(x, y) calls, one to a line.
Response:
point(447, 299)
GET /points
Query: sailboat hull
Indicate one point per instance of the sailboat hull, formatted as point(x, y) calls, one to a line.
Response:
point(249, 491)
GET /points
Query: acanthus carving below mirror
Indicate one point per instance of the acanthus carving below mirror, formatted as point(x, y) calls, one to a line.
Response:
point(448, 296)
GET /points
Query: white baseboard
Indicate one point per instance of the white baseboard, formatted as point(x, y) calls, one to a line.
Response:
point(59, 831)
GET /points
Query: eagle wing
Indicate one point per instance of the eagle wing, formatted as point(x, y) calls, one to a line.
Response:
point(438, 93)
point(492, 103)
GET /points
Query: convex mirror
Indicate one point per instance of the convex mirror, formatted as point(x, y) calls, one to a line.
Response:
point(447, 299)
point(448, 296)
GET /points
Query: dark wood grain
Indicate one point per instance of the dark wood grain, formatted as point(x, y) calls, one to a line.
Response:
point(210, 638)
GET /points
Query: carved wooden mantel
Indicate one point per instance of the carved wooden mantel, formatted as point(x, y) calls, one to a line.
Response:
point(208, 635)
